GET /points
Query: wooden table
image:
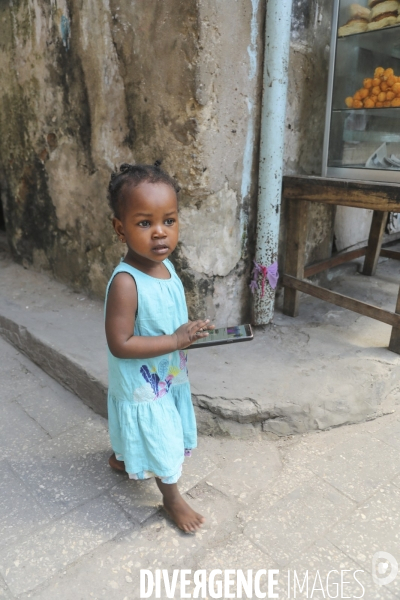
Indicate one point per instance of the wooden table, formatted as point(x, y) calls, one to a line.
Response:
point(381, 198)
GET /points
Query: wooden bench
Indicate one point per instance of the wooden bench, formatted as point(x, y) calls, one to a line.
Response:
point(382, 198)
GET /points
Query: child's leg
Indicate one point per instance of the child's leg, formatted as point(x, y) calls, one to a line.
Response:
point(116, 464)
point(178, 509)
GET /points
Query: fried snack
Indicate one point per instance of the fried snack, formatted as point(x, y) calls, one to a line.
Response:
point(387, 8)
point(353, 26)
point(386, 92)
point(384, 13)
point(356, 10)
point(359, 17)
point(349, 102)
point(381, 23)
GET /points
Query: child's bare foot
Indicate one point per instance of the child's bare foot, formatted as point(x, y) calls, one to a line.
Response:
point(185, 517)
point(118, 465)
point(178, 509)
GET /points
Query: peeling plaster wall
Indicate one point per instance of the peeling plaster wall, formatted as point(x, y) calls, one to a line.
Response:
point(305, 114)
point(89, 85)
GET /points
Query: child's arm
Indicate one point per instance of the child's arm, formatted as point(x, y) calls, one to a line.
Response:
point(120, 322)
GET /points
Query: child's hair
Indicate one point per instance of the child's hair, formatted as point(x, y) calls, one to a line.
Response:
point(132, 176)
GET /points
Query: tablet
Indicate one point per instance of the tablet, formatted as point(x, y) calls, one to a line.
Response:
point(225, 335)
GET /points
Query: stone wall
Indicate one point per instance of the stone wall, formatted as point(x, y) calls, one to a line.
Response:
point(89, 85)
point(305, 114)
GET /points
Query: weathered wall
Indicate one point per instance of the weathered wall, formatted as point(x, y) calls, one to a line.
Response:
point(305, 114)
point(88, 85)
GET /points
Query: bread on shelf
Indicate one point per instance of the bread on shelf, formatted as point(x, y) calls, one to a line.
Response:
point(379, 14)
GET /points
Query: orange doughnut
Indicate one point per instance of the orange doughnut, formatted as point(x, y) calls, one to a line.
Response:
point(349, 102)
point(387, 73)
point(382, 97)
point(390, 95)
point(376, 90)
point(384, 86)
point(357, 96)
point(367, 83)
point(357, 104)
point(379, 71)
point(369, 103)
point(376, 81)
point(363, 93)
point(391, 80)
point(396, 87)
point(396, 102)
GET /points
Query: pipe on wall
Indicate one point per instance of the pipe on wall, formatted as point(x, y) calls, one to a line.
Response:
point(273, 112)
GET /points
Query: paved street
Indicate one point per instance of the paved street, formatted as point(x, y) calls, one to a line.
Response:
point(72, 529)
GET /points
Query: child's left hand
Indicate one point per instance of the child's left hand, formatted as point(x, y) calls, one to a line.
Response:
point(191, 331)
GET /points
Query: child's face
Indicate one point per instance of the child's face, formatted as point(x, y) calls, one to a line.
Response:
point(149, 225)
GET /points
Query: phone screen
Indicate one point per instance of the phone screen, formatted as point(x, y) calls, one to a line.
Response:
point(225, 335)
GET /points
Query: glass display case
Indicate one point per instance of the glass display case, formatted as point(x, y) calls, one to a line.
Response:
point(362, 129)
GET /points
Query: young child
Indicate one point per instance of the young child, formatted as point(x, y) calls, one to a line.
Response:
point(151, 419)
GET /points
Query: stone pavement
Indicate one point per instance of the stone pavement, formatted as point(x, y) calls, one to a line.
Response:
point(72, 529)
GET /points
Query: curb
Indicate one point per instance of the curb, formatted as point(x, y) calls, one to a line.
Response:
point(93, 392)
point(59, 366)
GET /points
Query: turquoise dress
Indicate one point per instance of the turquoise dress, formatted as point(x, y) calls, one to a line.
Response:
point(151, 419)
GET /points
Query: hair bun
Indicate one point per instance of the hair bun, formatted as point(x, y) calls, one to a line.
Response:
point(125, 167)
point(157, 164)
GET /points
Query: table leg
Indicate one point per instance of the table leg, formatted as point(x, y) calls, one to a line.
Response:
point(296, 237)
point(394, 344)
point(378, 224)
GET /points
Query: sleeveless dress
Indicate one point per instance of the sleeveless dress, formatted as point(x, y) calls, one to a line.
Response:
point(151, 420)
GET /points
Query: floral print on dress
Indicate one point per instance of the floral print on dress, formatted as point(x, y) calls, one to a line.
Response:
point(183, 361)
point(159, 380)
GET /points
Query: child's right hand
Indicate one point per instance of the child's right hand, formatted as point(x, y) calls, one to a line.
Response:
point(190, 332)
